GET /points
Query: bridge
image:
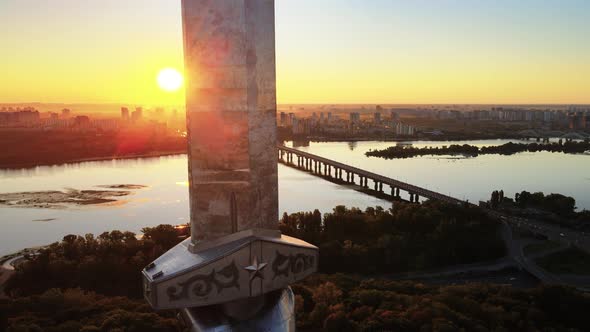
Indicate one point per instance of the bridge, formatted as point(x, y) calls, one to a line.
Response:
point(347, 174)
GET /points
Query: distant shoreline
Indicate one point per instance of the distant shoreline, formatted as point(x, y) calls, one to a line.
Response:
point(91, 159)
point(406, 139)
point(155, 154)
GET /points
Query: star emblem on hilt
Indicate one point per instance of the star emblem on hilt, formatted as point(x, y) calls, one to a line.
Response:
point(255, 269)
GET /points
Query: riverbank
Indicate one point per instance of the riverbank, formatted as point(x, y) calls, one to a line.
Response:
point(421, 138)
point(33, 148)
point(9, 262)
point(178, 152)
point(154, 154)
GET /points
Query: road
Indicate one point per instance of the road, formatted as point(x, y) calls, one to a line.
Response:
point(553, 232)
point(6, 271)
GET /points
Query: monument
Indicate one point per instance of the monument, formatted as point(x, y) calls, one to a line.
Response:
point(234, 272)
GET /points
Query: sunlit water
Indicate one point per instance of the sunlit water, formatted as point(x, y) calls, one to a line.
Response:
point(166, 198)
point(472, 179)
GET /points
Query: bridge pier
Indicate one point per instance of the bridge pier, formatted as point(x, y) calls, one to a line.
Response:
point(313, 164)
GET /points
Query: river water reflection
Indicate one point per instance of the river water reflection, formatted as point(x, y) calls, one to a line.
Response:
point(166, 198)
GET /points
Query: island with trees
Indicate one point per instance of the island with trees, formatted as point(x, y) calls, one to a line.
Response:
point(408, 151)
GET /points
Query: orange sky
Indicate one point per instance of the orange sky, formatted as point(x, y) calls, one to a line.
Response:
point(334, 51)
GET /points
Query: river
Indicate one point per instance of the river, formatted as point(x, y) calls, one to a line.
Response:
point(165, 200)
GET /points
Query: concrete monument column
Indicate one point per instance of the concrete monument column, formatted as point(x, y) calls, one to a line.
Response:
point(229, 50)
point(234, 272)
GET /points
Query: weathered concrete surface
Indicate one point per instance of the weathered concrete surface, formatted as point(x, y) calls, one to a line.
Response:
point(236, 257)
point(243, 265)
point(231, 112)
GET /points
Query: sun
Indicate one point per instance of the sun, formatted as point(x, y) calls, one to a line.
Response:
point(170, 79)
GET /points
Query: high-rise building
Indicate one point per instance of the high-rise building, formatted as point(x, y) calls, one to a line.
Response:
point(394, 116)
point(82, 121)
point(377, 118)
point(137, 115)
point(124, 113)
point(577, 121)
point(159, 113)
point(19, 117)
point(401, 129)
point(65, 113)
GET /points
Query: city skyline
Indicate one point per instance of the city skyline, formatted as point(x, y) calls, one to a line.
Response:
point(342, 52)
